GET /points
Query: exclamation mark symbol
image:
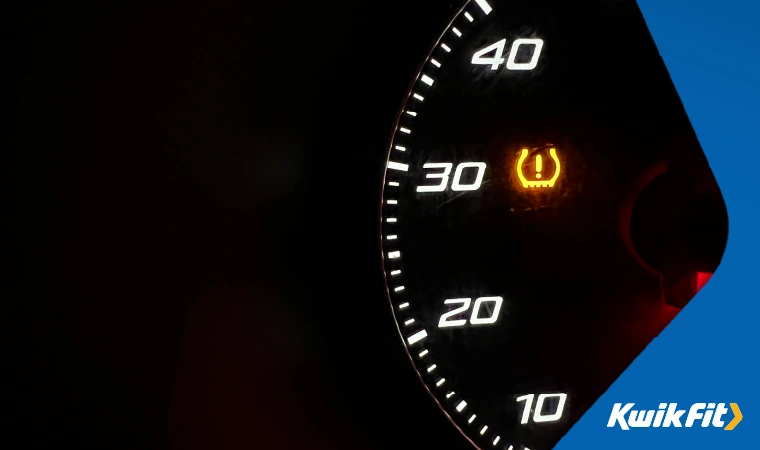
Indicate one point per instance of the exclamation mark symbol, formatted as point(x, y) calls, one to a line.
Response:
point(539, 166)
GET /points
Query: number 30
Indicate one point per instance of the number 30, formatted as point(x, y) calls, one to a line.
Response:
point(456, 184)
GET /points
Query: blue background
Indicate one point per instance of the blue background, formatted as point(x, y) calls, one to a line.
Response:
point(709, 352)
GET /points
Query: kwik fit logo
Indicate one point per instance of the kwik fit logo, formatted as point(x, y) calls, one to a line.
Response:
point(668, 415)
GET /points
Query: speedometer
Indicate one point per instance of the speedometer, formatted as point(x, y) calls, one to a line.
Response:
point(546, 210)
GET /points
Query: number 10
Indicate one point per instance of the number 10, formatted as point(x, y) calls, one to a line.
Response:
point(538, 416)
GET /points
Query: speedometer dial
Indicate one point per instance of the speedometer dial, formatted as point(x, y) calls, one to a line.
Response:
point(541, 182)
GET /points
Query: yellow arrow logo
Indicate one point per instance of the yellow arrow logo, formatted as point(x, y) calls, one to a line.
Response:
point(737, 417)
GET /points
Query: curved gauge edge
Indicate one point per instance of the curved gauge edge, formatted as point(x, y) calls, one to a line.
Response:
point(414, 338)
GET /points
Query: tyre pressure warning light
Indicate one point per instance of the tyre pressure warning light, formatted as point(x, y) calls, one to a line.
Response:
point(538, 179)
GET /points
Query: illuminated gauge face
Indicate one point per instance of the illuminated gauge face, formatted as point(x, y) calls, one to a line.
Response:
point(547, 209)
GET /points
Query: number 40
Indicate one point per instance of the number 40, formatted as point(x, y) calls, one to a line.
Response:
point(498, 49)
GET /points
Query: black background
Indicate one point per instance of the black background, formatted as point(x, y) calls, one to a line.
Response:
point(193, 243)
point(193, 246)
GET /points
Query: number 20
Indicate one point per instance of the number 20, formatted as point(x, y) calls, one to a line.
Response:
point(456, 184)
point(474, 319)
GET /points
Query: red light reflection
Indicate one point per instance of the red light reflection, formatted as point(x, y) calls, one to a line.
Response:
point(702, 279)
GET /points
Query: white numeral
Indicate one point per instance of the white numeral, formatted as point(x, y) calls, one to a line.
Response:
point(475, 318)
point(443, 176)
point(538, 416)
point(496, 60)
point(530, 65)
point(498, 49)
point(444, 322)
point(456, 184)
